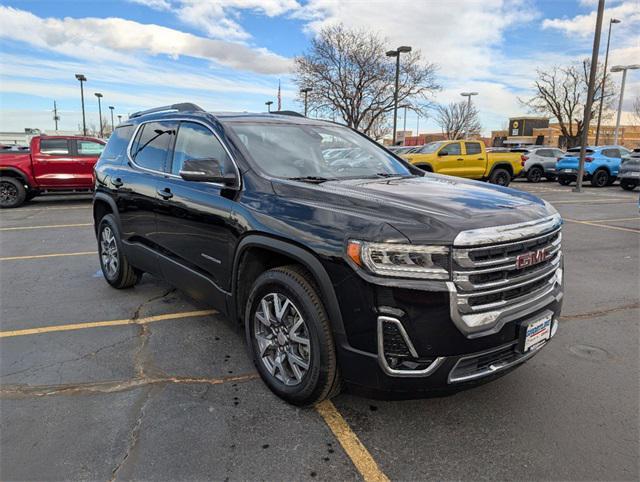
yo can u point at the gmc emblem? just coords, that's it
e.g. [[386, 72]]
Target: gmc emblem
[[531, 258]]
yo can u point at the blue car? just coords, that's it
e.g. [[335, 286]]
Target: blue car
[[601, 165]]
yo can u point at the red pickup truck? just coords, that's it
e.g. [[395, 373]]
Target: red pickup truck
[[52, 164]]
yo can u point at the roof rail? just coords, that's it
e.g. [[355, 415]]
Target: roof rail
[[288, 112], [183, 107]]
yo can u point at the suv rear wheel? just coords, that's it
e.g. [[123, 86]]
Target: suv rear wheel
[[534, 174], [600, 178], [12, 192], [290, 337], [628, 185], [115, 266]]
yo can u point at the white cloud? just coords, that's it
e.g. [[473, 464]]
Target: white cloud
[[584, 25], [218, 18], [117, 39]]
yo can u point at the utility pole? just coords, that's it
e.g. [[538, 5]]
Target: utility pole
[[56, 117], [468, 95], [591, 88], [396, 53], [305, 91], [99, 96], [623, 69], [268, 104], [604, 79], [112, 126], [82, 79]]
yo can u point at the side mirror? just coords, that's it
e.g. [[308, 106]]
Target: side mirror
[[441, 153], [206, 170]]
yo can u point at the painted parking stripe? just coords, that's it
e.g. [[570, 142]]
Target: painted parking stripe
[[637, 218], [100, 324], [350, 442], [53, 255], [606, 226], [60, 208], [50, 226], [596, 201]]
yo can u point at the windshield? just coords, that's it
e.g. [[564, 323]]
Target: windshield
[[315, 151], [431, 147]]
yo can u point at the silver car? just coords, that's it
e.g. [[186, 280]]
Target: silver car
[[539, 162], [629, 173]]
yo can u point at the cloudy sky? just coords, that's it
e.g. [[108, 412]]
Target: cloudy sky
[[230, 54]]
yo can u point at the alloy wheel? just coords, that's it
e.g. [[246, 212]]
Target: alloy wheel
[[8, 193], [109, 252], [282, 337]]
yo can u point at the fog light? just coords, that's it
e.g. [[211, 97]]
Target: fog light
[[554, 327]]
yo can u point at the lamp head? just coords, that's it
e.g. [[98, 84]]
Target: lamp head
[[404, 49], [81, 77]]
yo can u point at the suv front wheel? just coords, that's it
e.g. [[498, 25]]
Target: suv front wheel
[[290, 336], [115, 266]]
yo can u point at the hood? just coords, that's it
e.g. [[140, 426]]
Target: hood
[[431, 208]]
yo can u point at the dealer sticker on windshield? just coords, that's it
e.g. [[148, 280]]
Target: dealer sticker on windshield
[[537, 332]]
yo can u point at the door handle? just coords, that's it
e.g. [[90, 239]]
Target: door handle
[[480, 159], [117, 182], [165, 193], [460, 159]]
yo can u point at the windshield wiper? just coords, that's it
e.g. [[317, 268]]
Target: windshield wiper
[[312, 179]]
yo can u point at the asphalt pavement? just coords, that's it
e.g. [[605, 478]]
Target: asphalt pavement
[[100, 384]]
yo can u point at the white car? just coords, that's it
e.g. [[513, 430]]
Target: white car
[[539, 162]]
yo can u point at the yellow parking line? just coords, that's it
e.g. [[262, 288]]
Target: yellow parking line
[[637, 218], [100, 324], [54, 255], [589, 223], [50, 226], [350, 442]]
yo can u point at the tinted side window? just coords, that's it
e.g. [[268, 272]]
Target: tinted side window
[[611, 152], [89, 148], [544, 153], [118, 142], [473, 148], [195, 141], [54, 146], [152, 145], [451, 149]]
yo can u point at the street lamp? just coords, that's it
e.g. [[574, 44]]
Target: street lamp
[[268, 104], [305, 91], [604, 79], [119, 118], [99, 96], [468, 95], [82, 79], [623, 69], [111, 109], [396, 53]]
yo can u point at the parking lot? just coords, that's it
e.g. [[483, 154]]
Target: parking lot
[[100, 384]]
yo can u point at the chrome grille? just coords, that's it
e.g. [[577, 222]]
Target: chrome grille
[[487, 277], [488, 285]]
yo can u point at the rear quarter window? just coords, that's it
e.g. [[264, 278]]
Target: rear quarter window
[[118, 142], [54, 146]]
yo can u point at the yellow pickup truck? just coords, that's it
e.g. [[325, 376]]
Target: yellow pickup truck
[[468, 159]]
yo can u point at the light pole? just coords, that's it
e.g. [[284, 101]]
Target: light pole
[[82, 79], [418, 126], [604, 79], [623, 69], [119, 118], [268, 104], [590, 90], [468, 95], [99, 96], [305, 91], [112, 126], [396, 53]]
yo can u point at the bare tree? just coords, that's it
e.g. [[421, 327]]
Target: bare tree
[[636, 110], [458, 119], [561, 92], [350, 75]]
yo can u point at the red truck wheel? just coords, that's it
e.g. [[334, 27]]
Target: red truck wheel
[[12, 192]]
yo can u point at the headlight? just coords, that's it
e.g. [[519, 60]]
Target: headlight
[[401, 260]]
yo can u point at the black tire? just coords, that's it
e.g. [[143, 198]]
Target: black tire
[[321, 379], [12, 192], [535, 174], [550, 177], [600, 178], [500, 176], [564, 181], [612, 181], [628, 185], [123, 275], [425, 167]]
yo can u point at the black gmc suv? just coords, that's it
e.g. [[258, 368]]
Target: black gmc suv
[[344, 263]]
